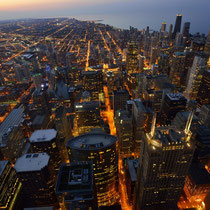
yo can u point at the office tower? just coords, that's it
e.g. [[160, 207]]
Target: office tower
[[163, 64], [141, 86], [141, 63], [177, 26], [46, 141], [197, 186], [93, 83], [163, 27], [154, 54], [101, 150], [203, 96], [51, 77], [131, 167], [12, 141], [139, 116], [87, 116], [132, 58], [179, 122], [22, 73], [204, 115], [62, 124], [170, 31], [207, 45], [186, 30], [10, 187], [119, 99], [2, 81], [41, 122], [33, 171], [194, 78], [166, 159], [177, 68], [124, 129], [76, 187], [37, 79], [173, 103], [178, 40], [41, 102]]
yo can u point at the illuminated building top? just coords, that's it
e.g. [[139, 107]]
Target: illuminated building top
[[92, 141]]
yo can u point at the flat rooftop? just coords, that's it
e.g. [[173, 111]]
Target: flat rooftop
[[176, 96], [32, 162], [43, 135], [132, 168], [75, 177], [92, 141]]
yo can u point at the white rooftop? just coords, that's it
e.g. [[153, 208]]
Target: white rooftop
[[43, 135], [97, 139], [32, 162]]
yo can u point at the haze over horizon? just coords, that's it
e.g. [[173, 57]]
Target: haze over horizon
[[119, 13]]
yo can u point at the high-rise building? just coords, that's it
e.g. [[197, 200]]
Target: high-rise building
[[186, 29], [87, 116], [119, 99], [177, 68], [76, 187], [203, 96], [177, 26], [37, 79], [124, 129], [207, 45], [22, 73], [194, 77], [101, 150], [163, 64], [47, 141], [170, 31], [33, 170], [204, 115], [132, 58], [12, 141], [173, 103], [10, 187], [93, 83], [166, 159], [163, 27]]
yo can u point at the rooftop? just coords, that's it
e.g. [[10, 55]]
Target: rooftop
[[176, 96], [43, 135], [132, 167], [74, 177], [92, 141], [31, 162]]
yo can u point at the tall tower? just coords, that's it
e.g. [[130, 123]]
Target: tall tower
[[194, 77], [177, 26], [163, 27], [166, 160], [186, 29], [170, 31], [132, 58]]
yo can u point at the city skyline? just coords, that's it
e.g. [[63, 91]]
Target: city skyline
[[121, 14]]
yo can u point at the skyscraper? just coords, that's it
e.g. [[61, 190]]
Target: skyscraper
[[177, 26], [166, 160], [163, 27], [101, 150], [132, 58], [75, 185], [203, 96], [186, 29], [10, 186], [170, 31], [194, 77]]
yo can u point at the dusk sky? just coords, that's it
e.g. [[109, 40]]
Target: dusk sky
[[120, 13]]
